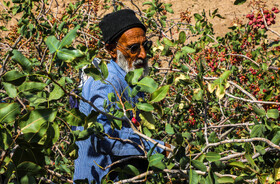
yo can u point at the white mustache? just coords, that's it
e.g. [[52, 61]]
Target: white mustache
[[138, 62]]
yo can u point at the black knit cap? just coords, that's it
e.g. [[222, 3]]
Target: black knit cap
[[116, 23]]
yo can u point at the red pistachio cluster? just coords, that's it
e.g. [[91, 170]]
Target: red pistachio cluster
[[257, 20]]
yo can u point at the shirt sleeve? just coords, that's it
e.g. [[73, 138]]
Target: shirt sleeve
[[117, 147]]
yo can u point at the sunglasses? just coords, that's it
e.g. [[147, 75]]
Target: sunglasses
[[135, 48]]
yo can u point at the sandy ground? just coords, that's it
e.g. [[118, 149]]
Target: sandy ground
[[226, 8]]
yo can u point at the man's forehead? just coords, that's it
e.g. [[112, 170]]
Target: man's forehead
[[133, 35]]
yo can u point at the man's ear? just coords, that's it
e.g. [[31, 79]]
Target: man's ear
[[112, 49]]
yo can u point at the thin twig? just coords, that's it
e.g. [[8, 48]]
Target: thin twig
[[266, 26], [125, 159]]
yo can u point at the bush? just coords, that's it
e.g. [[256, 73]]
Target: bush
[[216, 99]]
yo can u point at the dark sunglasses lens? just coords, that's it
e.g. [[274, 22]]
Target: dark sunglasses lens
[[148, 45], [135, 48]]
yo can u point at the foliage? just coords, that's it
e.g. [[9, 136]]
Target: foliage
[[216, 99]]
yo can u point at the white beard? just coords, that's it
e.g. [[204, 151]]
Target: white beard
[[123, 63]]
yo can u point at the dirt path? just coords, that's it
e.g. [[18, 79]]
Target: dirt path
[[226, 8]]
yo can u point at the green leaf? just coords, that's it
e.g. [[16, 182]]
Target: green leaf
[[56, 133], [193, 177], [28, 179], [68, 39], [32, 86], [260, 112], [168, 9], [258, 131], [85, 134], [132, 77], [145, 107], [240, 165], [52, 44], [36, 119], [225, 179], [239, 2], [8, 112], [22, 60], [156, 161], [276, 138], [147, 120], [251, 161], [197, 16], [272, 113], [169, 129], [104, 69], [199, 165], [39, 136], [147, 84], [187, 50], [13, 75], [57, 92], [94, 73], [29, 168], [182, 37], [168, 42], [147, 3], [160, 93], [75, 117], [225, 75], [10, 89], [69, 55], [5, 138], [130, 169], [212, 156]]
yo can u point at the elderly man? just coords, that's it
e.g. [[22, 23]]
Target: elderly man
[[125, 40]]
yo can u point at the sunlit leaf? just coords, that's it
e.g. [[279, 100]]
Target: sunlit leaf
[[57, 92], [147, 120], [260, 112], [212, 156], [187, 50], [199, 165], [75, 117], [22, 60], [272, 113], [156, 161], [169, 129], [168, 42], [193, 177], [8, 112], [145, 107], [52, 44], [147, 84], [69, 55], [10, 89], [240, 165], [104, 69], [32, 86], [13, 75], [182, 37], [132, 77], [94, 73], [36, 119], [160, 93], [226, 179], [68, 39]]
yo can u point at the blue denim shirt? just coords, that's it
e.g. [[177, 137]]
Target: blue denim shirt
[[93, 150]]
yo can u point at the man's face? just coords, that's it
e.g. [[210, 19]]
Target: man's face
[[128, 56]]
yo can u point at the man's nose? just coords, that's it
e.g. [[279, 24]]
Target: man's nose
[[142, 54]]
